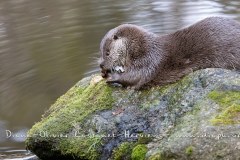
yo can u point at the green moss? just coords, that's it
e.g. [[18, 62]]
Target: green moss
[[70, 111], [230, 115], [225, 97], [81, 147], [156, 156], [123, 151], [230, 107], [189, 150], [65, 100], [139, 152]]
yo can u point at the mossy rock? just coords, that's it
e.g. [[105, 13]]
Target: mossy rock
[[54, 137], [96, 121]]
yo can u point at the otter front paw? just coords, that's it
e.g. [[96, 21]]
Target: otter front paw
[[114, 83], [109, 81], [114, 80]]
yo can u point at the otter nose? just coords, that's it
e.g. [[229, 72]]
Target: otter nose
[[101, 65]]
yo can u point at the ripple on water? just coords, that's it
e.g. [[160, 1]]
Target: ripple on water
[[16, 154]]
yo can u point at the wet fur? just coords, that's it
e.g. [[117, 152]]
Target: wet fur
[[149, 59]]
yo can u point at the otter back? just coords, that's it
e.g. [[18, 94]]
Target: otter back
[[149, 59]]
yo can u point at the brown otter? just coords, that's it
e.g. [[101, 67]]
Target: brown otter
[[132, 56]]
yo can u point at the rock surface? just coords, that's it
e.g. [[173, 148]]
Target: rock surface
[[195, 118]]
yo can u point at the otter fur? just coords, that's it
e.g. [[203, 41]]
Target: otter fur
[[134, 57]]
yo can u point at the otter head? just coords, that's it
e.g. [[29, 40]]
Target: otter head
[[120, 47]]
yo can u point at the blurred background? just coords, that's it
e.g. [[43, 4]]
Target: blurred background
[[47, 46]]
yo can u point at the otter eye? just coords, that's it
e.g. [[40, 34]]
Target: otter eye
[[115, 37]]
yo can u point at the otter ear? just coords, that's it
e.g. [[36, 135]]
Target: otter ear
[[115, 37]]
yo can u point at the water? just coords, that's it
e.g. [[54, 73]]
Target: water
[[47, 46]]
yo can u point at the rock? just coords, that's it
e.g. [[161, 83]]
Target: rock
[[195, 118]]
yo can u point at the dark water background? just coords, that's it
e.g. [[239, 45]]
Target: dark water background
[[47, 46]]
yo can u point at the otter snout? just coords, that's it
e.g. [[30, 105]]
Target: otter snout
[[101, 65], [105, 72]]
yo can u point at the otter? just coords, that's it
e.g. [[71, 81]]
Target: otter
[[134, 57]]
